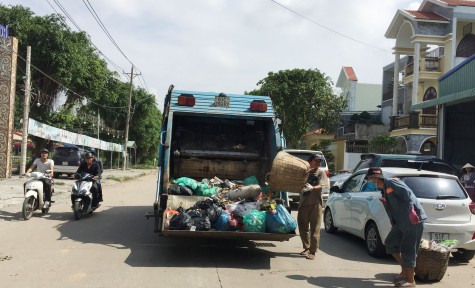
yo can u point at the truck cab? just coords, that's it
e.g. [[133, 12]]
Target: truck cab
[[206, 135]]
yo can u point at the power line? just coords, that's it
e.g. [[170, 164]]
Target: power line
[[327, 28]]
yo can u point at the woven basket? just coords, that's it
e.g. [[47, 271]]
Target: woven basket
[[431, 265], [289, 173]]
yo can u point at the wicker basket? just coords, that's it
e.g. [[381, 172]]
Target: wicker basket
[[289, 173], [431, 265]]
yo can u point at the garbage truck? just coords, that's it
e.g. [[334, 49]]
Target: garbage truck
[[211, 135]]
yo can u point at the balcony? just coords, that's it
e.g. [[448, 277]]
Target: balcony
[[428, 64], [413, 120]]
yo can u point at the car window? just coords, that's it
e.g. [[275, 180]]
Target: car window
[[364, 163], [353, 184], [67, 153], [435, 188], [305, 156], [424, 165]]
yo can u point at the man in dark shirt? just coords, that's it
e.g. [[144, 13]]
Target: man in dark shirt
[[91, 167]]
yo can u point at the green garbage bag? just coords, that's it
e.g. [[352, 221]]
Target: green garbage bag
[[188, 182], [255, 221]]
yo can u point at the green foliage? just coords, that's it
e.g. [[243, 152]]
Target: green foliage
[[70, 58], [383, 145], [364, 118], [301, 98]]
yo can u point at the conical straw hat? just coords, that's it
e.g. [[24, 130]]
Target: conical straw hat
[[468, 165]]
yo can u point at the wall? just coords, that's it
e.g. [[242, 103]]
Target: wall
[[368, 96], [8, 58]]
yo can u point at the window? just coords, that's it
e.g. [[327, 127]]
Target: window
[[353, 184], [435, 188]]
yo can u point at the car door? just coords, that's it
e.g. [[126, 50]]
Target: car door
[[342, 203], [361, 203]]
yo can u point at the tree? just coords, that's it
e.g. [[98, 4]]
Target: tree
[[383, 145], [301, 98], [71, 82]]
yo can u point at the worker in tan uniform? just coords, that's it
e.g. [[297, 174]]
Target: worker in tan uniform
[[309, 216]]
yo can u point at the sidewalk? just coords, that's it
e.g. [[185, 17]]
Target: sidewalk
[[11, 189]]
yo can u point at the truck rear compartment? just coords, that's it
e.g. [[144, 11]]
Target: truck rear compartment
[[206, 146]]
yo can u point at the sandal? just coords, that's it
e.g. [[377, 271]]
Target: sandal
[[310, 256], [404, 283], [304, 252]]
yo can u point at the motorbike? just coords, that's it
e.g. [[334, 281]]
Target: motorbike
[[81, 196], [34, 195]]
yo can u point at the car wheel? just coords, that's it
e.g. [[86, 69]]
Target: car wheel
[[374, 245], [463, 255], [56, 175], [328, 222]]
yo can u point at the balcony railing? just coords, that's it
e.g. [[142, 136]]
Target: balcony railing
[[430, 64], [414, 120]]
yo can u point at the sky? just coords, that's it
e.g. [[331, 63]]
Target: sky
[[229, 45]]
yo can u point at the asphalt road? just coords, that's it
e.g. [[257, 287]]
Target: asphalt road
[[116, 247]]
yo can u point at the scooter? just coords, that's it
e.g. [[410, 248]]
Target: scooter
[[34, 195], [81, 196]]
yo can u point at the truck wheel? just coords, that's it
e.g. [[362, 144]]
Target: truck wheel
[[374, 245], [463, 255]]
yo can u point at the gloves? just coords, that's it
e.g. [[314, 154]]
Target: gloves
[[413, 217], [307, 188]]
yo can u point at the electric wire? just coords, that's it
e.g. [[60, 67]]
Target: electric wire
[[327, 28]]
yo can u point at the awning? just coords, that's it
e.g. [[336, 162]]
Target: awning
[[454, 98]]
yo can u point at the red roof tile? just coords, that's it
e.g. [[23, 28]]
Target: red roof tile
[[426, 15], [350, 74], [459, 2]]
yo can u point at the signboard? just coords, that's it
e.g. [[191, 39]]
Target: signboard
[[221, 101], [3, 31]]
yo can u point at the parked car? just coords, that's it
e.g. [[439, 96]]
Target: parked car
[[304, 155], [368, 160], [449, 210], [66, 160]]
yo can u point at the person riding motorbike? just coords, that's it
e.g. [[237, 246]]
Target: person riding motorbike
[[91, 167], [98, 182], [43, 164]]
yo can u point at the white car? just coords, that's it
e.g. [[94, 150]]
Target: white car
[[304, 155], [450, 212]]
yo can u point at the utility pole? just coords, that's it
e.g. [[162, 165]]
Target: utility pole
[[98, 129], [26, 112], [124, 155]]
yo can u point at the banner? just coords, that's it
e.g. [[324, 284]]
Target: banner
[[59, 135]]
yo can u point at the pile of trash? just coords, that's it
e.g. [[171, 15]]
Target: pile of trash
[[443, 246], [227, 206]]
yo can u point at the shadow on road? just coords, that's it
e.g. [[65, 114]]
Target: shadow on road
[[127, 228]]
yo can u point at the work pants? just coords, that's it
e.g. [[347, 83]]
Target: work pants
[[309, 219]]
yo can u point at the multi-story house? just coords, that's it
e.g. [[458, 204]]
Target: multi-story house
[[429, 42]]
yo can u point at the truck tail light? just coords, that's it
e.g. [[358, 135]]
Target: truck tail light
[[258, 106], [186, 100], [471, 206]]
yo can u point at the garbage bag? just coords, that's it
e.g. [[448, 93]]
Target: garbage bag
[[223, 222], [250, 180], [244, 207], [181, 221], [179, 189], [245, 192], [280, 221], [255, 221], [200, 223], [203, 189], [188, 182]]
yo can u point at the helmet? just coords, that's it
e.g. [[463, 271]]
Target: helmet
[[92, 150], [44, 150], [316, 156], [88, 155]]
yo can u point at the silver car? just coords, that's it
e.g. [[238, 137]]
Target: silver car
[[450, 212]]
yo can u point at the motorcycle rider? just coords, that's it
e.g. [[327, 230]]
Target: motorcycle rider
[[91, 167], [98, 182], [42, 164]]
